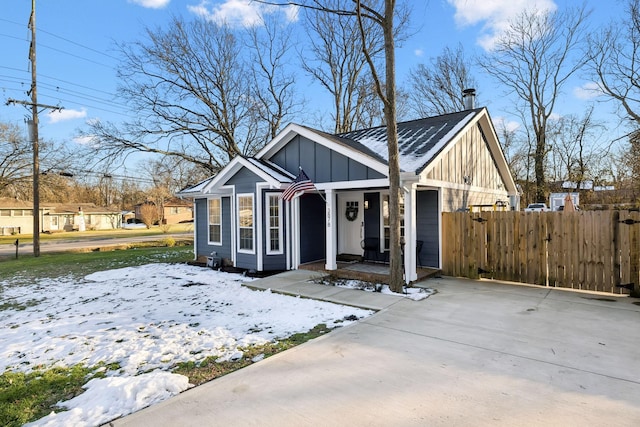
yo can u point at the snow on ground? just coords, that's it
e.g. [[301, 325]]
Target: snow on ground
[[415, 294], [146, 319]]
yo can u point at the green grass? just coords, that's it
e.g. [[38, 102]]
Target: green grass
[[28, 397], [208, 369], [78, 264]]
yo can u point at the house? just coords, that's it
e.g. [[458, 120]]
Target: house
[[447, 163], [80, 217], [176, 210], [16, 217]]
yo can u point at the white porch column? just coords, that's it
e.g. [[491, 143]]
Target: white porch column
[[410, 233], [330, 226]]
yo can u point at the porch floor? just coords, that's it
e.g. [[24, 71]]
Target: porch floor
[[366, 271]]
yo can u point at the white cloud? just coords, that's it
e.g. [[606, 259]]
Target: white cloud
[[502, 123], [241, 13], [85, 140], [587, 91], [419, 53], [495, 15], [64, 115], [151, 4], [555, 116], [291, 12]]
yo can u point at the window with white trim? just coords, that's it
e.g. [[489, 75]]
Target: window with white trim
[[274, 225], [245, 222], [385, 220], [215, 221]]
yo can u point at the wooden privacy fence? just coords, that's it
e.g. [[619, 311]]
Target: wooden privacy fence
[[591, 250]]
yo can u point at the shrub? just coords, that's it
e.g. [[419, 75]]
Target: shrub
[[168, 242]]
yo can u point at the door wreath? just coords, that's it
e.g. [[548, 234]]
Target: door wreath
[[351, 213]]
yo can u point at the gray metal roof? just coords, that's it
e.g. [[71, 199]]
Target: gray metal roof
[[419, 141]]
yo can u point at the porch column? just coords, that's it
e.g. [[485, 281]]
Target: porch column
[[330, 226], [410, 233]]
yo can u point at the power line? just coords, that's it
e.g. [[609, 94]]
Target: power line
[[62, 80], [64, 39]]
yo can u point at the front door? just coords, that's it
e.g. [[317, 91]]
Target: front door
[[350, 223]]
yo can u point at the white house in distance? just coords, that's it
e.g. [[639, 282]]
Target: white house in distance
[[16, 217], [447, 163]]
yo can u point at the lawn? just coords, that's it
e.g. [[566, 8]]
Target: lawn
[[95, 336]]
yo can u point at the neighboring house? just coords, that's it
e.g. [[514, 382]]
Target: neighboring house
[[79, 216], [176, 210], [447, 163], [16, 217]]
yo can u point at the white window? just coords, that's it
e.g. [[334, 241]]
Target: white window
[[215, 221], [245, 223], [274, 225], [385, 219]]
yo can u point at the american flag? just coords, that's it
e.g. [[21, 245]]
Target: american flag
[[300, 185]]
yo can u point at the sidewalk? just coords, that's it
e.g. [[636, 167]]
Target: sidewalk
[[297, 283], [477, 353]]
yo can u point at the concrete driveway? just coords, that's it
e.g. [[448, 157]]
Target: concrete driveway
[[476, 353]]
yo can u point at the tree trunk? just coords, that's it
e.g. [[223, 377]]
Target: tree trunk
[[396, 281]]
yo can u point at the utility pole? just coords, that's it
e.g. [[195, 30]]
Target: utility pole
[[33, 130]]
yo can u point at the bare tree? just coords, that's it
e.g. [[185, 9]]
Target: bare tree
[[532, 60], [190, 88], [437, 88], [272, 86], [574, 150], [336, 60], [613, 62], [149, 213], [16, 166], [15, 160]]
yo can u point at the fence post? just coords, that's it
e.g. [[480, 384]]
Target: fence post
[[615, 220], [17, 243]]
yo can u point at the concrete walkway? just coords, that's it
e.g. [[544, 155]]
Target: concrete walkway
[[477, 353], [297, 283]]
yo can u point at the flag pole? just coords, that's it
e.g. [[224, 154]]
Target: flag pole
[[319, 193]]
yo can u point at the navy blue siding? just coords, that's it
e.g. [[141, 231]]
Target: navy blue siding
[[312, 228], [202, 228], [428, 224], [244, 181], [279, 261], [320, 163]]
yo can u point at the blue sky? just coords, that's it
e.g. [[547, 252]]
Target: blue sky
[[76, 58]]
